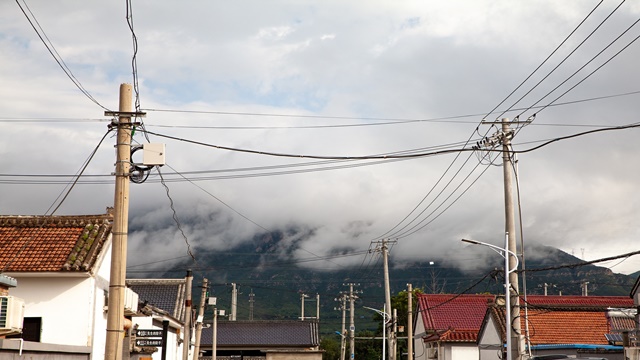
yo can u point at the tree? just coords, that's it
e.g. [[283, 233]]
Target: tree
[[331, 347], [400, 302]]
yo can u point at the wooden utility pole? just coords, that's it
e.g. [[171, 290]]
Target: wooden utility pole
[[409, 322], [115, 314], [203, 296], [187, 317]]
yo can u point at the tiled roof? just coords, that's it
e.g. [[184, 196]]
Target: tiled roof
[[569, 319], [452, 317], [52, 243], [165, 294], [567, 327], [586, 302], [622, 322], [283, 334]]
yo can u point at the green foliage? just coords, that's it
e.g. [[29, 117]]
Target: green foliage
[[367, 349], [331, 347]]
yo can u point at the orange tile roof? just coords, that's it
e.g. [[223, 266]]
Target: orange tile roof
[[567, 327], [52, 243]]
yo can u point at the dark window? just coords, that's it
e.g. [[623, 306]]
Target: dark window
[[31, 327]]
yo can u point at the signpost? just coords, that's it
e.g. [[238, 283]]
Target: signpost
[[149, 337], [148, 333], [149, 342]]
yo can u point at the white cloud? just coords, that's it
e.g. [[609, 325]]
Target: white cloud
[[408, 60]]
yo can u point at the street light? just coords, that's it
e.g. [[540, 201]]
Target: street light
[[385, 316], [507, 297]]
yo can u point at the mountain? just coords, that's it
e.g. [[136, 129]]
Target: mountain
[[277, 280]]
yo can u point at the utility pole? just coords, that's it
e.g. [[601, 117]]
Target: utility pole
[[187, 317], [251, 301], [343, 329], [317, 307], [391, 338], [585, 289], [203, 296], [214, 342], [395, 333], [234, 302], [409, 322], [302, 297], [352, 326], [510, 229], [115, 315], [504, 137]]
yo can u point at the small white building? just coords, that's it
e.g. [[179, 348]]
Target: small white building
[[62, 266], [163, 301]]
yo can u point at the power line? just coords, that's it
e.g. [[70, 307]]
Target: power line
[[541, 64], [54, 53], [72, 185], [381, 121], [585, 65], [53, 182]]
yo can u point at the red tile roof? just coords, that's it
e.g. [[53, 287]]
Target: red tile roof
[[600, 302], [452, 317], [52, 243]]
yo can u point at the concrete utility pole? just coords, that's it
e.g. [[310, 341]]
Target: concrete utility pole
[[409, 322], [251, 301], [343, 329], [504, 137], [391, 338], [115, 314], [214, 342], [302, 297], [203, 296], [234, 302], [510, 229], [187, 317], [352, 326], [317, 307], [585, 289]]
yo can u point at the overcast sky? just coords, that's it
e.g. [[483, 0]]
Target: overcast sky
[[335, 79]]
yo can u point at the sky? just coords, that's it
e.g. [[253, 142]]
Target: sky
[[336, 80]]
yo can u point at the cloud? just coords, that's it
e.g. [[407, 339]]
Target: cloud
[[354, 65]]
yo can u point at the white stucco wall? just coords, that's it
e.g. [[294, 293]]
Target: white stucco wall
[[419, 350], [490, 343], [464, 352], [66, 306], [70, 305]]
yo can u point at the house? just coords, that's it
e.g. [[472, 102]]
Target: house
[[62, 266], [263, 340], [572, 325], [448, 324], [162, 303]]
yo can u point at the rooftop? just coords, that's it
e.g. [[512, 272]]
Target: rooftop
[[52, 243]]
